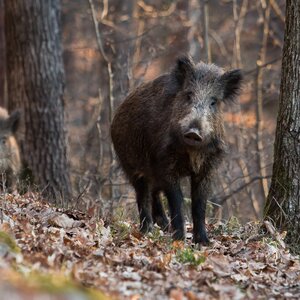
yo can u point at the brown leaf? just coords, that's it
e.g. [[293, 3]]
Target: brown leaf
[[64, 221], [220, 265], [176, 294]]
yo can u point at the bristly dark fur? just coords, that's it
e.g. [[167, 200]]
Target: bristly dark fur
[[151, 135], [232, 80], [9, 151], [184, 70]]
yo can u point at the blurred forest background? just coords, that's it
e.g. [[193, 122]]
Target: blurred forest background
[[111, 46]]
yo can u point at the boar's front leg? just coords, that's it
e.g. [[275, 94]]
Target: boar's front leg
[[144, 204], [158, 212], [175, 200], [200, 188]]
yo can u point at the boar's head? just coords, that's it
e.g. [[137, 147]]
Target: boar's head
[[199, 92]]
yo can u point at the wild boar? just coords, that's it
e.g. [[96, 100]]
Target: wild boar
[[9, 151], [170, 128]]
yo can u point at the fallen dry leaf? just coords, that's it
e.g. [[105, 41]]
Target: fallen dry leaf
[[124, 264]]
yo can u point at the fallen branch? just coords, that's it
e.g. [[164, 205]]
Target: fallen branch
[[275, 234]]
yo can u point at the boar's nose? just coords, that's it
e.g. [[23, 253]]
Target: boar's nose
[[193, 137]]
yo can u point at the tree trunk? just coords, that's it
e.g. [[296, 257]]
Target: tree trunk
[[35, 77], [121, 69], [122, 48], [283, 203], [2, 56]]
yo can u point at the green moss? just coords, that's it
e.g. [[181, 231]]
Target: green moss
[[190, 256], [9, 241], [53, 284], [120, 230], [233, 225], [157, 236]]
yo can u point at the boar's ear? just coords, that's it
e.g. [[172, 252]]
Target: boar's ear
[[231, 84], [14, 120], [184, 70]]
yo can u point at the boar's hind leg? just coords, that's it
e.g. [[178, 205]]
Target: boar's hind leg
[[175, 200], [200, 191], [144, 205], [7, 181], [158, 212]]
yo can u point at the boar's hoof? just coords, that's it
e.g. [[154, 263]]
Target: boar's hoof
[[146, 227], [178, 235], [163, 223], [201, 239]]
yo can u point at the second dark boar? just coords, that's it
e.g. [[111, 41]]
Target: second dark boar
[[171, 128], [9, 151]]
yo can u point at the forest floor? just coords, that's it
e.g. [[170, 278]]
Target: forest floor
[[50, 253]]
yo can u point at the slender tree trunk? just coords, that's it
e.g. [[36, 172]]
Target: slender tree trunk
[[121, 69], [195, 18], [123, 48], [283, 203], [2, 56], [205, 25], [116, 49], [239, 17], [35, 77], [259, 99]]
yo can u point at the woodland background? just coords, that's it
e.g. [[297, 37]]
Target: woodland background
[[109, 46], [112, 46]]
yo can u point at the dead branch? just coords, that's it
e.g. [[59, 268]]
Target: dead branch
[[150, 10], [249, 72], [219, 42], [104, 9], [277, 10], [275, 234], [221, 200]]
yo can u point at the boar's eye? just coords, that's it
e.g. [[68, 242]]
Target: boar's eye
[[3, 140], [213, 101], [189, 95]]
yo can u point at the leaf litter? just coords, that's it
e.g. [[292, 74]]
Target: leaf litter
[[45, 249]]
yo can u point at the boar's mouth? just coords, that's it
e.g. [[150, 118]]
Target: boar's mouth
[[208, 144], [192, 137]]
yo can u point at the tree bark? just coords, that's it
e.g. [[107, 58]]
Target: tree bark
[[2, 56], [35, 77], [283, 203]]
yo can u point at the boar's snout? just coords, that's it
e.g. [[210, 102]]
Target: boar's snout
[[193, 137]]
